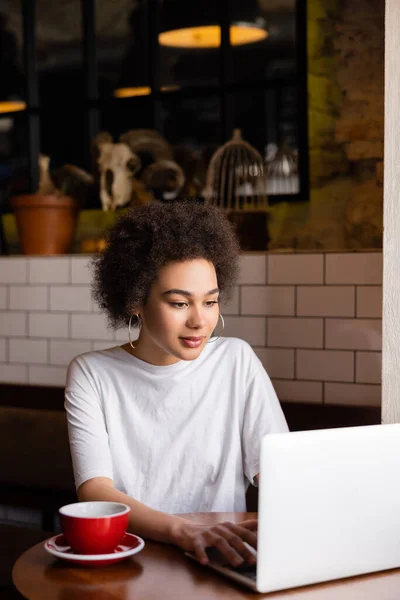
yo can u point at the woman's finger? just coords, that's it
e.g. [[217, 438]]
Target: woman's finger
[[251, 524], [244, 533], [235, 540], [227, 550], [200, 551]]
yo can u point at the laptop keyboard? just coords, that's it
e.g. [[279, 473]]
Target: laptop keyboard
[[245, 569]]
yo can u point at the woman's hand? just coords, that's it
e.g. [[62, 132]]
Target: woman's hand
[[227, 537]]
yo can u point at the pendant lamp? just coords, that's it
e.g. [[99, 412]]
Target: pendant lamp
[[134, 79], [11, 82], [195, 24]]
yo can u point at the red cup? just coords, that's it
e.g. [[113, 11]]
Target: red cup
[[94, 527]]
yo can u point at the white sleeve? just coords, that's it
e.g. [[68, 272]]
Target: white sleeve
[[262, 415], [88, 438]]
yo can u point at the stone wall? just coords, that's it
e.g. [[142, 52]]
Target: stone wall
[[346, 108]]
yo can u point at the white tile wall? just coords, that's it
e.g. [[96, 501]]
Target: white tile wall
[[267, 300], [253, 269], [13, 373], [369, 301], [325, 365], [353, 334], [295, 268], [324, 301], [80, 272], [251, 329], [92, 327], [28, 351], [13, 270], [368, 367], [41, 270], [3, 297], [354, 268], [313, 319], [62, 352], [352, 394], [70, 298], [299, 391], [28, 297], [46, 375], [50, 325], [278, 362], [295, 333], [13, 323]]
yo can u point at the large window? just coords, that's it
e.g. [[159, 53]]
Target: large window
[[193, 71]]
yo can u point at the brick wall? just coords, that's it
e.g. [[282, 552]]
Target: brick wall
[[314, 320]]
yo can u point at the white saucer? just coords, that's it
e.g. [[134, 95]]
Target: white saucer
[[57, 546]]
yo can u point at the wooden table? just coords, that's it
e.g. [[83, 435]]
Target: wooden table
[[162, 572]]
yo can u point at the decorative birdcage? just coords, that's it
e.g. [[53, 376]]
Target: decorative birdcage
[[236, 182], [236, 177]]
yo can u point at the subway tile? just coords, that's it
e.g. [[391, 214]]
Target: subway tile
[[28, 297], [325, 365], [70, 298], [13, 373], [352, 394], [47, 375], [354, 268], [277, 362], [13, 323], [28, 351], [324, 301], [95, 307], [368, 367], [295, 269], [3, 297], [250, 329], [80, 270], [3, 350], [253, 269], [90, 327], [49, 270], [353, 334], [48, 325], [63, 351], [369, 301], [307, 392], [295, 333], [231, 307], [13, 270], [267, 300], [104, 345], [121, 335]]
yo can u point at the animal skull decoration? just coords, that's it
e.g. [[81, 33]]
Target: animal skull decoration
[[117, 166]]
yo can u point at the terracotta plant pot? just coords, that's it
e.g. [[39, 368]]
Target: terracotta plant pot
[[45, 224]]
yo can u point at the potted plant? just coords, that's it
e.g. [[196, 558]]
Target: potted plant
[[46, 220]]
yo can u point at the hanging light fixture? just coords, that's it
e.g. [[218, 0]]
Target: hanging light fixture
[[134, 79], [11, 83], [195, 25]]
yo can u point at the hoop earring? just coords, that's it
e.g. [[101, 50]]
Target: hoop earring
[[222, 331], [129, 330]]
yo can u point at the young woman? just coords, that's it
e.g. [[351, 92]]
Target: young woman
[[171, 422]]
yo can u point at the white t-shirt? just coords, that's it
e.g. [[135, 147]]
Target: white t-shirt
[[179, 438]]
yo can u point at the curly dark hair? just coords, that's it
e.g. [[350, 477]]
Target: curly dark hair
[[149, 237]]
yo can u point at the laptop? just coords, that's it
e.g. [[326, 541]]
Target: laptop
[[329, 507]]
